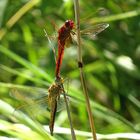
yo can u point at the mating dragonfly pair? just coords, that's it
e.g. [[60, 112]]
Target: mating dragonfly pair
[[52, 99]]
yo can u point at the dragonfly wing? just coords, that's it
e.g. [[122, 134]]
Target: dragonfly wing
[[30, 102], [28, 93], [96, 29], [61, 105]]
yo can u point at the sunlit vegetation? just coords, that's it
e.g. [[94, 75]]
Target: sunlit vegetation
[[111, 68]]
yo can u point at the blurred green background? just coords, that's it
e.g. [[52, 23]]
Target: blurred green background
[[111, 66]]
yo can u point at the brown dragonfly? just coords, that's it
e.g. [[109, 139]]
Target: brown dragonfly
[[34, 99]]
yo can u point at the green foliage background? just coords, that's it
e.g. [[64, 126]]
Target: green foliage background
[[111, 66]]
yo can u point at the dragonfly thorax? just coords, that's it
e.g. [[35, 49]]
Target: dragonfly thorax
[[64, 31], [54, 90]]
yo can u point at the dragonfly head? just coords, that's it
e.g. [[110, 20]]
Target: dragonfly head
[[59, 80], [69, 24]]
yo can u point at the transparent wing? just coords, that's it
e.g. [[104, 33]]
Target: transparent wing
[[96, 29], [34, 100], [28, 93], [61, 103]]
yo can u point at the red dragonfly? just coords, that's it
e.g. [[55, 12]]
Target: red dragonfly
[[64, 37], [65, 34]]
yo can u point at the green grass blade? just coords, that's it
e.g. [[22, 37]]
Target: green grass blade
[[37, 71]]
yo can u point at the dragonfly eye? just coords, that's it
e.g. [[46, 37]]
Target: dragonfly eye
[[69, 24]]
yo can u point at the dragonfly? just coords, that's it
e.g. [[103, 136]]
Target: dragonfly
[[40, 99], [65, 35], [55, 90]]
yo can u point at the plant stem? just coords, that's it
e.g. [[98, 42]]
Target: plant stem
[[80, 63], [69, 115]]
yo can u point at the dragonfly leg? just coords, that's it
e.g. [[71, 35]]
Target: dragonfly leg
[[73, 33]]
